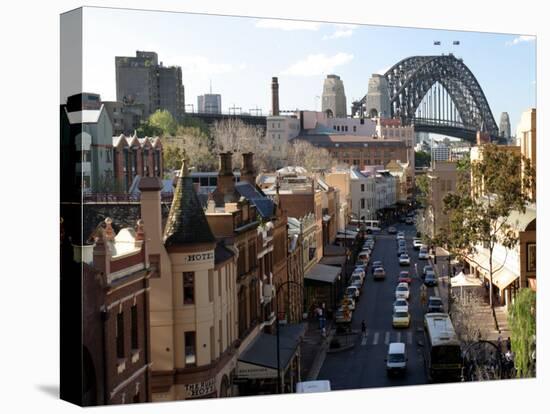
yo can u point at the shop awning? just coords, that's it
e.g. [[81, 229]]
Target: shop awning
[[333, 260], [332, 250], [259, 359], [502, 278], [322, 273], [462, 280]]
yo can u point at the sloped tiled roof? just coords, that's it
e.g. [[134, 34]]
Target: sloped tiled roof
[[222, 253], [264, 205], [186, 222]]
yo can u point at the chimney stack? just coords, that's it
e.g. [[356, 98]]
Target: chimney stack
[[274, 96], [226, 183], [248, 173]]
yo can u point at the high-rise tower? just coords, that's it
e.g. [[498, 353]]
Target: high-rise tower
[[504, 126]]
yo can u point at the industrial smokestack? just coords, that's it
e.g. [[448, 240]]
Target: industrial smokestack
[[274, 96]]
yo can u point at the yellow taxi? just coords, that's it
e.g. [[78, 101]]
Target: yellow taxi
[[401, 318]]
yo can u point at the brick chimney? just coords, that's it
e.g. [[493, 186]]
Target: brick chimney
[[226, 180], [151, 223], [274, 96], [248, 173]]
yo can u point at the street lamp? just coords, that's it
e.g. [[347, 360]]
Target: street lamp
[[279, 388]]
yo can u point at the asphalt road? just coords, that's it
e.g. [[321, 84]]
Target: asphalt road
[[364, 365]]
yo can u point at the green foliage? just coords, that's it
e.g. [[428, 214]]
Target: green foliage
[[488, 190], [422, 159], [423, 187], [163, 120], [193, 122], [145, 129], [197, 146], [522, 321]]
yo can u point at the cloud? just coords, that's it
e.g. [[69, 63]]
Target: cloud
[[287, 25], [200, 65], [339, 34], [318, 64], [343, 30], [520, 39]]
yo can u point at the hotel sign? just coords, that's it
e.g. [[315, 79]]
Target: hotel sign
[[199, 257], [200, 389]]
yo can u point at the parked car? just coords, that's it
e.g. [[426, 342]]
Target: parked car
[[404, 277], [430, 279], [353, 292], [409, 220], [359, 265], [435, 304], [400, 303], [363, 255], [379, 273], [423, 253], [417, 243], [356, 280], [401, 250], [392, 230], [402, 291], [427, 268], [400, 235], [401, 318], [359, 271], [404, 260], [396, 360], [401, 242]]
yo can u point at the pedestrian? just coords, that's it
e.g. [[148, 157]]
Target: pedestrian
[[508, 344], [363, 328], [499, 343]]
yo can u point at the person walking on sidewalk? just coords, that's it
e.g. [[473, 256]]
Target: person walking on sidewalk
[[363, 328]]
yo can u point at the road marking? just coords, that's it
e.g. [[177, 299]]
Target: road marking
[[387, 338], [364, 339], [398, 337], [436, 291], [375, 341], [409, 337]]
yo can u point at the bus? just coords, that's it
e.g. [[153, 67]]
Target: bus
[[369, 225], [442, 353]]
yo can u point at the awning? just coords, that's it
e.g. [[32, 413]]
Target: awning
[[462, 280], [333, 260], [332, 250], [259, 359], [322, 273], [502, 278]]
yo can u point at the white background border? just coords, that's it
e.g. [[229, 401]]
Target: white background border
[[29, 345]]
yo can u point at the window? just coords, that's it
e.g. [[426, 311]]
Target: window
[[204, 181], [354, 128], [219, 282], [210, 285], [188, 288], [346, 127], [220, 342], [109, 155], [362, 187], [212, 347], [190, 348], [120, 335], [135, 341], [362, 203], [338, 128]]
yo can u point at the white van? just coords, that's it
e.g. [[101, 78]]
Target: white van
[[313, 386], [396, 361]]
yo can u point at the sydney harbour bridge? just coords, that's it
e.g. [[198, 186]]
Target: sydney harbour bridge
[[437, 94]]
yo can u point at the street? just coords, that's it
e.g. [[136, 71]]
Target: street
[[364, 365]]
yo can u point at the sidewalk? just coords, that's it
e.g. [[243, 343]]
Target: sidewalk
[[313, 349], [441, 272]]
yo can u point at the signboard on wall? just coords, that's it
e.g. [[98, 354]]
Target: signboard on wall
[[199, 257], [251, 371], [200, 389]]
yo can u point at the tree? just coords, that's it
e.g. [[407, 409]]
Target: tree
[[236, 136], [302, 153], [488, 191], [522, 322], [197, 147], [160, 123], [422, 159]]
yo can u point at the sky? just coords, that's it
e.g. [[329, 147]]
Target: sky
[[238, 56]]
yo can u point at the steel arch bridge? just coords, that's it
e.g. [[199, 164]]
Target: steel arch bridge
[[437, 94]]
